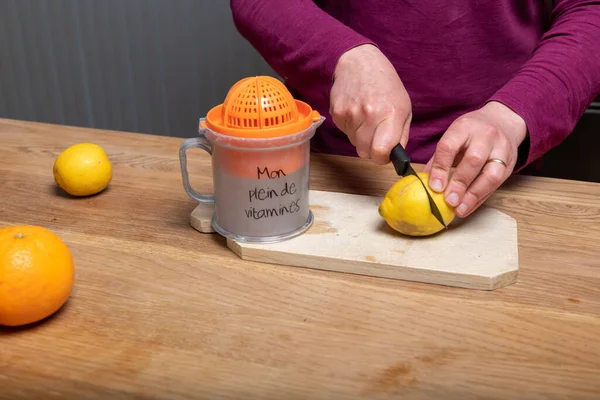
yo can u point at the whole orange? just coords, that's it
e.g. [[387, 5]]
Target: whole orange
[[37, 273]]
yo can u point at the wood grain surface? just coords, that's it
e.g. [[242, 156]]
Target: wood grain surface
[[349, 236], [162, 311]]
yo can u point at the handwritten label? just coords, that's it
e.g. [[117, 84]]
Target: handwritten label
[[269, 174], [284, 194]]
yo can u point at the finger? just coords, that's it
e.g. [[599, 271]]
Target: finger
[[491, 177], [373, 116], [353, 135], [405, 131], [386, 136], [348, 119], [447, 149], [427, 167], [473, 161], [364, 139], [477, 205]]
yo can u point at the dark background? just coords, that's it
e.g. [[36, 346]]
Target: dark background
[[156, 66]]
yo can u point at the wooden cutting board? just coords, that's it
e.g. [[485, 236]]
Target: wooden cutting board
[[348, 235]]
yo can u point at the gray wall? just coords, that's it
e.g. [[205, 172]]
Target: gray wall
[[156, 66], [152, 66]]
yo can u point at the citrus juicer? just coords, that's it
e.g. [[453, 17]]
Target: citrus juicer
[[259, 142]]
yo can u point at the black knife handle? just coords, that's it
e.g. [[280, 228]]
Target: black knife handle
[[399, 157]]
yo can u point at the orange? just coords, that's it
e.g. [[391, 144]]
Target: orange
[[36, 274]]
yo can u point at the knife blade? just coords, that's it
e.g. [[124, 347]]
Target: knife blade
[[401, 161]]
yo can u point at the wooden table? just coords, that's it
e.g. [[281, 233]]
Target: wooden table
[[160, 310]]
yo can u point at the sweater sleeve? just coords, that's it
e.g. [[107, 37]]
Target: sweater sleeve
[[560, 80], [300, 41]]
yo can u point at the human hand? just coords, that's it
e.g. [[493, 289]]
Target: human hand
[[370, 104], [470, 143]]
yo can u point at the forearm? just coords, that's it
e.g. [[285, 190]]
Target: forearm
[[301, 42], [561, 78]]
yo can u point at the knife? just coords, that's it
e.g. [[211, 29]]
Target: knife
[[401, 161]]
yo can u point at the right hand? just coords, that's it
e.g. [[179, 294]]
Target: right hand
[[370, 104]]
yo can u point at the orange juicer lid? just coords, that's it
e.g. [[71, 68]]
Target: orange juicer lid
[[260, 107]]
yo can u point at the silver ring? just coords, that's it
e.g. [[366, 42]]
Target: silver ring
[[499, 161]]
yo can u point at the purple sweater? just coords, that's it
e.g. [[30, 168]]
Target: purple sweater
[[451, 58]]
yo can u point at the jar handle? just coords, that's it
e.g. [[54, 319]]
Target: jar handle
[[203, 143]]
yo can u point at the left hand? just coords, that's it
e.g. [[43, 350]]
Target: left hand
[[492, 132]]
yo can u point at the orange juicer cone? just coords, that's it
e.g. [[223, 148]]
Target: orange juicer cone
[[261, 107]]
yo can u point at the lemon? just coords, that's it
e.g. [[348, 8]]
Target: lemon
[[406, 209], [83, 169]]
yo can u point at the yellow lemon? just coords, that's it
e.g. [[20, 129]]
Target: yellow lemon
[[405, 207], [83, 169]]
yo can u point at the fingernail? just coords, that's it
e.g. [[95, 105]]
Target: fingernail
[[453, 199], [462, 208], [436, 185]]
